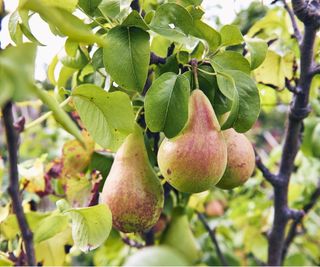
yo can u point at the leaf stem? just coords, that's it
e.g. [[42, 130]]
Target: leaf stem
[[194, 65], [45, 116]]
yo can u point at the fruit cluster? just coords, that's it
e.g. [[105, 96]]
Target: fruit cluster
[[199, 158]]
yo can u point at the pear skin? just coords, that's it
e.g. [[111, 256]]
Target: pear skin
[[195, 160], [179, 236], [241, 160], [132, 189]]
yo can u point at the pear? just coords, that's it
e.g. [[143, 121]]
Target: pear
[[132, 189], [179, 236], [241, 160], [157, 256], [196, 159]]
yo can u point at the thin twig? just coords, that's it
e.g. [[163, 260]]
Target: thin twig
[[293, 231], [45, 116], [212, 234], [315, 70], [13, 190], [296, 31], [132, 243], [270, 177]]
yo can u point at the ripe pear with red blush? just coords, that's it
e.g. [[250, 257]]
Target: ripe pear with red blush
[[132, 189], [195, 160], [241, 160]]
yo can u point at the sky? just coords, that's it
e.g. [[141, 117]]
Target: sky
[[53, 44]]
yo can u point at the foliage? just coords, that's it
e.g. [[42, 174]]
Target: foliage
[[105, 81]]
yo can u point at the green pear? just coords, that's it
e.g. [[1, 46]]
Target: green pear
[[157, 256], [195, 160], [180, 236], [132, 189], [241, 160]]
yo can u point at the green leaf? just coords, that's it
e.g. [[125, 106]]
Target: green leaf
[[172, 21], [159, 45], [225, 82], [249, 101], [64, 75], [198, 51], [113, 113], [13, 60], [78, 61], [171, 65], [90, 226], [231, 60], [166, 104], [50, 226], [59, 114], [203, 31], [233, 114], [6, 89], [207, 83], [67, 23], [109, 8], [10, 228], [183, 57], [26, 31], [135, 20], [97, 59], [51, 68], [309, 125], [126, 57], [258, 52], [89, 6], [14, 28], [196, 12], [69, 5], [230, 35]]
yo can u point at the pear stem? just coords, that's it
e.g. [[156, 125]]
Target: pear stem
[[194, 65]]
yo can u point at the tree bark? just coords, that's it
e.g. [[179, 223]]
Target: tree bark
[[13, 190]]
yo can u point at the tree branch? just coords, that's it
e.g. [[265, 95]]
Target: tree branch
[[308, 12], [299, 109], [154, 59], [296, 31], [315, 70], [214, 240], [13, 190], [293, 231], [135, 5], [270, 177]]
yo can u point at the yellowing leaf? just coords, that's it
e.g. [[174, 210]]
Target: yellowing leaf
[[75, 157], [33, 172], [78, 190], [51, 252], [271, 71]]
